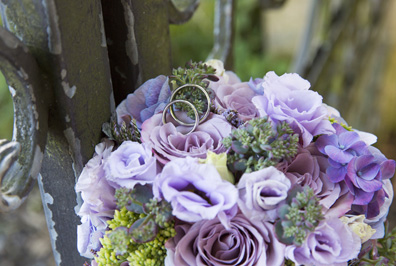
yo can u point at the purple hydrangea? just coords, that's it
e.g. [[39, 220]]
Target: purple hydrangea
[[170, 142], [261, 192], [132, 163], [196, 191], [148, 99], [288, 98], [332, 243], [244, 243]]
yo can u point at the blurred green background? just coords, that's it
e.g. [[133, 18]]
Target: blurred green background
[[23, 235]]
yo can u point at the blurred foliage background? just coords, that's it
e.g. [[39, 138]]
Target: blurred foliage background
[[263, 42]]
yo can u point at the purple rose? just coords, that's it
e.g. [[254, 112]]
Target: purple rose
[[331, 243], [148, 99], [169, 142], [261, 192], [308, 168], [288, 98], [237, 96], [99, 202], [196, 191], [243, 243], [132, 163]]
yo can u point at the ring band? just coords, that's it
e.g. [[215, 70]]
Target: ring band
[[195, 124]]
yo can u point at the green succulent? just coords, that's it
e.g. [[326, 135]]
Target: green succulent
[[257, 145]]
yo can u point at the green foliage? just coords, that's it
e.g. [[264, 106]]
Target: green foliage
[[6, 110], [299, 216], [119, 246], [120, 133], [256, 145]]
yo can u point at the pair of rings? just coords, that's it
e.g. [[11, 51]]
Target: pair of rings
[[197, 119]]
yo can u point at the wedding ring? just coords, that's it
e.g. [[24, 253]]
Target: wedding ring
[[169, 106], [172, 111]]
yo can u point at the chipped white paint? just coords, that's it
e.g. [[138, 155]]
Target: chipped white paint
[[130, 44], [69, 91], [48, 199], [54, 38], [102, 30], [12, 91], [37, 160], [67, 118], [63, 73]]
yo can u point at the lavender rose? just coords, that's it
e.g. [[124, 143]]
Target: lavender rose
[[99, 202], [288, 98], [148, 99], [332, 243], [308, 168], [195, 191], [132, 163], [261, 192], [243, 243], [237, 96], [169, 142]]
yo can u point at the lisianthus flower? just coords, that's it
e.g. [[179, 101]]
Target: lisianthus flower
[[132, 163], [196, 191], [99, 202], [308, 168], [220, 162], [288, 98], [148, 99], [170, 142], [261, 192], [332, 243], [244, 243]]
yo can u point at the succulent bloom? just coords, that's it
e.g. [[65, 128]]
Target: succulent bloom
[[244, 243], [132, 163], [288, 98], [261, 192], [195, 191], [169, 142], [331, 243], [148, 99]]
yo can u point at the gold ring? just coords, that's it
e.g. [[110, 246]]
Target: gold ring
[[172, 111], [195, 124]]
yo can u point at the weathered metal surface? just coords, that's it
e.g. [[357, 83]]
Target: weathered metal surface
[[20, 160], [138, 42], [223, 32], [181, 11], [67, 38]]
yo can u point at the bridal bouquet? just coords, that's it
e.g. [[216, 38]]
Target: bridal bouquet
[[199, 168]]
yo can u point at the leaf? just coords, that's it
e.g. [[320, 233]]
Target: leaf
[[144, 230]]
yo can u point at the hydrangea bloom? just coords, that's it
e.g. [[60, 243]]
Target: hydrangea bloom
[[245, 243], [288, 98], [195, 191], [148, 99]]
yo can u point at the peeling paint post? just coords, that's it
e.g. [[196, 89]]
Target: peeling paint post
[[61, 61]]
